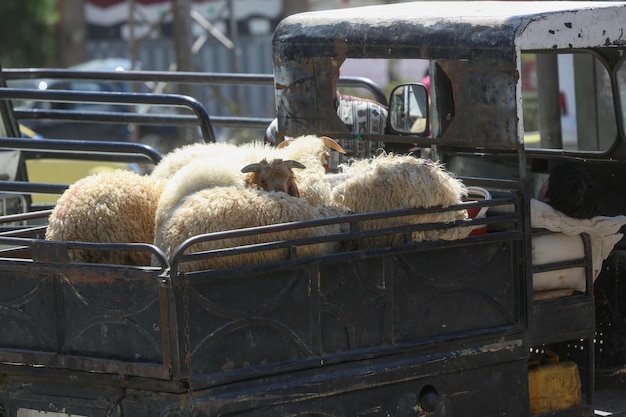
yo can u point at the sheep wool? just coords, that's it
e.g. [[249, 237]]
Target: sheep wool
[[180, 157], [197, 175], [310, 150], [313, 152], [231, 208], [389, 182], [107, 207]]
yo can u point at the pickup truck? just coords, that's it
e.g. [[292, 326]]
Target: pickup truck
[[432, 328]]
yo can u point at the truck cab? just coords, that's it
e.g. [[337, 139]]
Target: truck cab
[[516, 90]]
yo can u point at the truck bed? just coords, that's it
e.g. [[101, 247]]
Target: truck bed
[[334, 318]]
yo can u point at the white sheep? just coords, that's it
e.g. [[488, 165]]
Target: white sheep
[[202, 173], [107, 207], [389, 182], [122, 206], [230, 208], [180, 157], [274, 175], [311, 151]]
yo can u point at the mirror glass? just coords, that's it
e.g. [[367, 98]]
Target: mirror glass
[[408, 109]]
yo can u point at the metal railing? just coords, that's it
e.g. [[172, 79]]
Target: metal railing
[[167, 77]]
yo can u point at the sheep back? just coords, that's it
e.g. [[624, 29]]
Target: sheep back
[[180, 157], [230, 208], [389, 182], [107, 207]]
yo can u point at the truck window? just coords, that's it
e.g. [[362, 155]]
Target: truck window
[[567, 102]]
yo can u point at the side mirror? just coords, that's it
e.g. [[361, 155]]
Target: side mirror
[[408, 109]]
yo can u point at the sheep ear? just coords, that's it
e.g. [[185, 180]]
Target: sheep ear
[[330, 143], [292, 189], [251, 168], [294, 164]]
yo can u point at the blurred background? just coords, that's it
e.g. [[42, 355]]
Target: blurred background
[[188, 35], [216, 36]]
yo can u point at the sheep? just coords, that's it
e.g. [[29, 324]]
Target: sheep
[[179, 157], [276, 175], [310, 150], [108, 207], [390, 181], [229, 208], [122, 206], [197, 175]]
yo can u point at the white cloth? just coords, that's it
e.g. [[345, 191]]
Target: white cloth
[[602, 230]]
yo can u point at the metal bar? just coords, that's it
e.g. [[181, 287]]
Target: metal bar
[[210, 78], [9, 218], [24, 187], [116, 98], [139, 118], [358, 217], [139, 76], [81, 148]]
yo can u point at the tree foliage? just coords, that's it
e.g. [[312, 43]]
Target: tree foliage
[[27, 32]]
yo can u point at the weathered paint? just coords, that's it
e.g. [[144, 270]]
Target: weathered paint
[[478, 46]]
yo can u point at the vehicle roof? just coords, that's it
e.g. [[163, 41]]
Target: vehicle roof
[[458, 24]]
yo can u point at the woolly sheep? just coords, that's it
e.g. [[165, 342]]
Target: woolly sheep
[[230, 208], [388, 182], [276, 175], [311, 151], [108, 207], [198, 175], [180, 157]]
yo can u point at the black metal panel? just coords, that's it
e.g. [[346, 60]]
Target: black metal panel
[[457, 290], [418, 383], [300, 38], [27, 310], [100, 314], [78, 317], [567, 319], [344, 308]]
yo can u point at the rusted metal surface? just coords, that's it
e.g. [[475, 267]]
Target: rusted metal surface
[[477, 45]]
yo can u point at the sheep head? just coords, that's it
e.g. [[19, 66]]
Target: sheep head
[[276, 175], [328, 143]]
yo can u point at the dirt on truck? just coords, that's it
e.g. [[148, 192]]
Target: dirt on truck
[[493, 304]]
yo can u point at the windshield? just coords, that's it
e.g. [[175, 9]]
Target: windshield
[[568, 102]]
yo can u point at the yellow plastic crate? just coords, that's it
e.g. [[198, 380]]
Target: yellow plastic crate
[[554, 386]]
